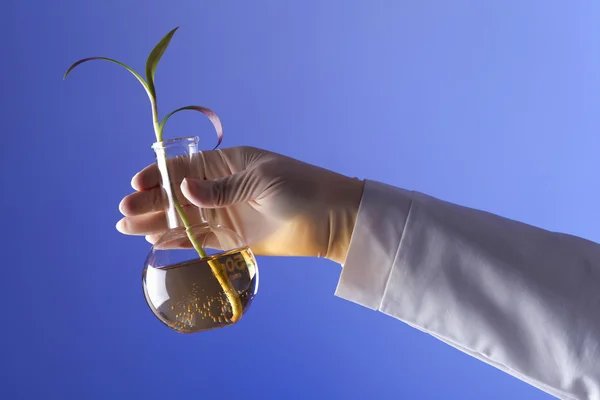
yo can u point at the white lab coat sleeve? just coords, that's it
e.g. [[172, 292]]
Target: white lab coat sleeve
[[520, 298]]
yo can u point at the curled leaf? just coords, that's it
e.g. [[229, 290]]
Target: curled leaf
[[154, 58], [138, 76], [209, 113]]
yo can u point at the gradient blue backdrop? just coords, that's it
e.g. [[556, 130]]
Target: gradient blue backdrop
[[493, 105]]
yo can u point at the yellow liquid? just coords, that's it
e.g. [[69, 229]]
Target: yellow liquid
[[188, 298]]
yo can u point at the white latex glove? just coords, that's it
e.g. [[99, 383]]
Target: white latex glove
[[279, 205]]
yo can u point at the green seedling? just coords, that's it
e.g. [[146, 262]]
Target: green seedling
[[159, 125]]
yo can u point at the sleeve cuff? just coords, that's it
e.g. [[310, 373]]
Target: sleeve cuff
[[374, 244]]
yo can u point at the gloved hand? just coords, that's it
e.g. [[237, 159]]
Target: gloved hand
[[279, 205]]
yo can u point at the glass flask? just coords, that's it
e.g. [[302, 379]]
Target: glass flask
[[199, 275]]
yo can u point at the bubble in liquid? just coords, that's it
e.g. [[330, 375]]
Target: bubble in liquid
[[196, 299]]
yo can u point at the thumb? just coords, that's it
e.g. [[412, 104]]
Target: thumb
[[223, 192]]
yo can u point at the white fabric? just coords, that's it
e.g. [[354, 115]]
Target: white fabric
[[520, 298]]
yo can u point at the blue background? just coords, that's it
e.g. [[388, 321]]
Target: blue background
[[492, 105]]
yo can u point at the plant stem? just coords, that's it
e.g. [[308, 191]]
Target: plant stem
[[214, 264], [216, 267]]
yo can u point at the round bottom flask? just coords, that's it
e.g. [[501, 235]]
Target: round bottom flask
[[198, 276]]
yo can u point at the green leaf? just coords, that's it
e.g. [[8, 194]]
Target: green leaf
[[209, 113], [139, 78], [154, 58]]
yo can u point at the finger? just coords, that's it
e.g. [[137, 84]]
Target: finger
[[139, 203], [154, 223], [211, 164], [206, 241], [147, 224], [153, 239], [179, 167], [179, 243], [223, 192], [147, 178]]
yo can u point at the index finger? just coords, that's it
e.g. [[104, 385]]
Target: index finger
[[208, 164], [146, 179], [149, 177], [179, 167]]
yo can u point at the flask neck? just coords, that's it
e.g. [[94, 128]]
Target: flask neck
[[169, 155]]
